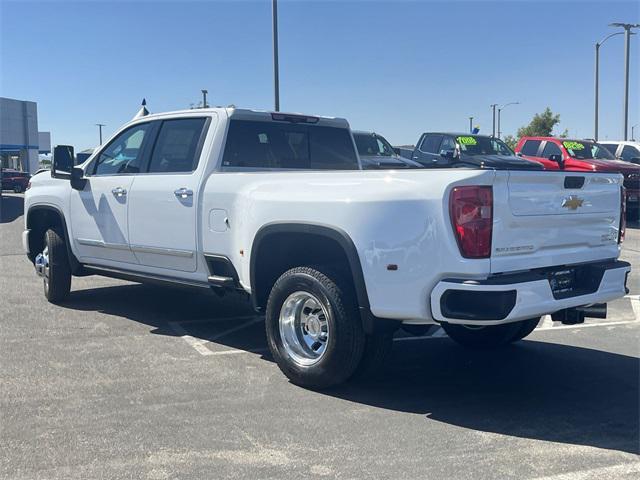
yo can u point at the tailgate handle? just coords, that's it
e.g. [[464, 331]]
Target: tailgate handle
[[573, 182]]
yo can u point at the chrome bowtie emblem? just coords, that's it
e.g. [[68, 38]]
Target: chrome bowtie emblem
[[572, 202]]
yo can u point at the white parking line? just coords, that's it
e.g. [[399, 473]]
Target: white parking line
[[200, 344], [197, 344], [587, 325]]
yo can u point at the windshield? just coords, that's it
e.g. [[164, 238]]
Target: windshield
[[586, 150], [483, 146], [370, 144]]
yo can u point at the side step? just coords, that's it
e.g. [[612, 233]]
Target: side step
[[222, 282]]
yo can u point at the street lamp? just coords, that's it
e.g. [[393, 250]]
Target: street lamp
[[500, 110], [597, 81], [276, 79], [493, 106], [100, 125], [633, 127], [627, 44], [204, 98], [470, 124]]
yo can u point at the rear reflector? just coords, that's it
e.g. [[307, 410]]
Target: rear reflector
[[471, 210]]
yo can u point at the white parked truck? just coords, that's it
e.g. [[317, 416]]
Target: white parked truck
[[276, 205]]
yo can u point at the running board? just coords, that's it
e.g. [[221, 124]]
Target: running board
[[143, 277]]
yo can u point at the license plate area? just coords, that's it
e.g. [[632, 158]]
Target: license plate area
[[573, 281], [563, 282]]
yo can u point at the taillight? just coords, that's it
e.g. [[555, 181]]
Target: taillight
[[471, 210], [623, 214]]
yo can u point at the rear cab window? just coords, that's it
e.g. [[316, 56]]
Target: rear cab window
[[530, 148], [268, 145]]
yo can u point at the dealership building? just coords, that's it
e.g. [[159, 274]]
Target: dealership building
[[20, 141]]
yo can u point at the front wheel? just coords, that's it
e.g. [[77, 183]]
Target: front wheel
[[54, 266], [313, 328], [491, 336]]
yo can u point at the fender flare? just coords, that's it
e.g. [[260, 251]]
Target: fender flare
[[76, 267], [371, 324]]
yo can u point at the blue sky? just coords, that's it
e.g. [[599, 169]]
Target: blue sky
[[395, 67]]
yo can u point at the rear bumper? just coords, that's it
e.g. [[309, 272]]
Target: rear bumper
[[512, 297]]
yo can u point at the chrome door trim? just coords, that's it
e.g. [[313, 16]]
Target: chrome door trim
[[99, 243], [162, 251]]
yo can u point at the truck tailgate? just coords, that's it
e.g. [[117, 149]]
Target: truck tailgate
[[554, 218]]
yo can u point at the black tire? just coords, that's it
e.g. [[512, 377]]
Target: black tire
[[58, 283], [487, 337], [346, 341], [526, 327], [376, 351], [17, 188]]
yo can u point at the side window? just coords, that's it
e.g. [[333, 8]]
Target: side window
[[611, 147], [176, 147], [629, 152], [124, 153], [551, 149], [448, 143], [431, 144], [260, 145], [530, 147]]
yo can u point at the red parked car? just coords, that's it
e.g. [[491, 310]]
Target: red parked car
[[581, 156], [14, 180]]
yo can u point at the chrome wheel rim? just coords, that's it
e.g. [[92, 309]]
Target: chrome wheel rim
[[304, 328], [43, 260]]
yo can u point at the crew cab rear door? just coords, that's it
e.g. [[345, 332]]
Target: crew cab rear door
[[554, 218], [163, 203]]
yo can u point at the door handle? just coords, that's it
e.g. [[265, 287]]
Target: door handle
[[119, 191], [183, 193]]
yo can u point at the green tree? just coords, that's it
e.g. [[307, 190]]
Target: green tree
[[511, 141], [541, 125]]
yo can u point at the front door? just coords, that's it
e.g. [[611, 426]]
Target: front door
[[99, 212], [163, 201]]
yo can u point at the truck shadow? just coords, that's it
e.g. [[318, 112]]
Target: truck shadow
[[11, 207], [534, 389]]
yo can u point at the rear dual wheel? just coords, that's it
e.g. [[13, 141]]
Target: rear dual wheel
[[314, 330], [493, 336]]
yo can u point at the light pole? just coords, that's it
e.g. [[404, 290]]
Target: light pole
[[493, 106], [597, 82], [627, 45], [470, 124], [276, 79], [204, 98], [100, 125], [633, 127], [500, 110]]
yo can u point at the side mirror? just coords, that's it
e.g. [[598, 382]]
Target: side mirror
[[518, 154], [449, 154], [62, 161], [558, 159], [77, 178]]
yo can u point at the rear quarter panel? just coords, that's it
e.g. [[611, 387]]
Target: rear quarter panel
[[392, 218]]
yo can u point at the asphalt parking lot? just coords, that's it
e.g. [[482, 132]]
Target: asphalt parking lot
[[132, 381]]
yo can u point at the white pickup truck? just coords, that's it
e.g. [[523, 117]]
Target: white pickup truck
[[277, 206]]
